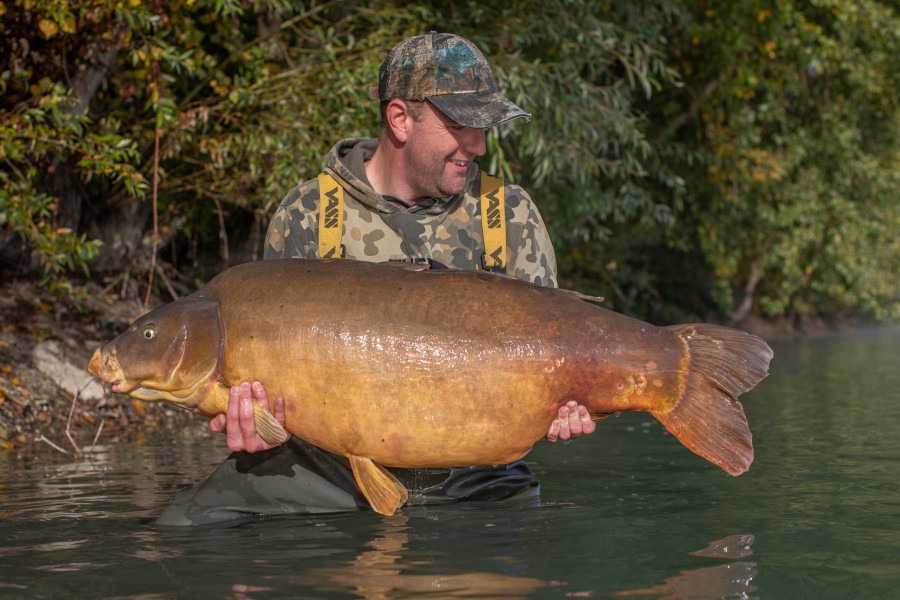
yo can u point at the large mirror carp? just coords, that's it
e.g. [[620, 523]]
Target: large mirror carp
[[436, 368]]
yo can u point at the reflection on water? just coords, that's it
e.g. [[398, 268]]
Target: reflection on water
[[382, 571], [732, 580], [626, 513], [725, 581]]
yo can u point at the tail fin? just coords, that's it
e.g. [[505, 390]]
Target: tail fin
[[707, 418]]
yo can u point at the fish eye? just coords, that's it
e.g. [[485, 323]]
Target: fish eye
[[149, 332]]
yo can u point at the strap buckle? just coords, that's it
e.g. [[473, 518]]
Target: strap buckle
[[484, 266]]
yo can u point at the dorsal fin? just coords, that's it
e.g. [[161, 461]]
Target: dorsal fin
[[406, 266]]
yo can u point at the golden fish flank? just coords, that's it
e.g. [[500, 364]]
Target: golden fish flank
[[421, 388]]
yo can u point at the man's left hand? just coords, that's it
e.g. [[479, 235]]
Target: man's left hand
[[238, 423], [572, 420]]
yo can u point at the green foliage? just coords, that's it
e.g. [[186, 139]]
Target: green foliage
[[583, 69], [799, 203], [36, 137], [251, 123], [41, 135], [703, 160]]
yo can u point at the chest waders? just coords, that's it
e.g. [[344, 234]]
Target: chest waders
[[493, 221]]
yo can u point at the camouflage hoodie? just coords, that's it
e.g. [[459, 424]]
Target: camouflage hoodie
[[446, 231]]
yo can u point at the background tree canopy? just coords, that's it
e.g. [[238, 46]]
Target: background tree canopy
[[711, 160]]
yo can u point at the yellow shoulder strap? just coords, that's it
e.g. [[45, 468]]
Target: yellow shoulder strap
[[493, 222], [331, 217]]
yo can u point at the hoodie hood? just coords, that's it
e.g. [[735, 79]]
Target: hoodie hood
[[346, 163]]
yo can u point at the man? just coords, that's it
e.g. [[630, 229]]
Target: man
[[412, 195]]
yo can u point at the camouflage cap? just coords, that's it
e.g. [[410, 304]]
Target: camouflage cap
[[451, 73]]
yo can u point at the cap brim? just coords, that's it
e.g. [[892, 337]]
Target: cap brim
[[478, 109]]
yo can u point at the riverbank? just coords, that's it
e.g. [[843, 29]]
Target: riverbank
[[46, 395]]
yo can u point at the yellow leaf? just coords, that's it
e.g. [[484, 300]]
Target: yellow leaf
[[762, 15], [69, 25], [139, 407], [48, 28]]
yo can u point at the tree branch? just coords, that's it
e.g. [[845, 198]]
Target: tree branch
[[695, 105]]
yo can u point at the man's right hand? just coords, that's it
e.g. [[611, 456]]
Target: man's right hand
[[237, 423]]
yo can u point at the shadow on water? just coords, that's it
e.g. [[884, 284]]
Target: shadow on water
[[627, 513]]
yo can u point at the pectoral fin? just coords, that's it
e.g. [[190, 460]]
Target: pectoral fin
[[268, 426], [383, 491]]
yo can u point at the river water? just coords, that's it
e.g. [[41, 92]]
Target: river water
[[626, 512]]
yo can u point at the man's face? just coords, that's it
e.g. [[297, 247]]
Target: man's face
[[438, 153]]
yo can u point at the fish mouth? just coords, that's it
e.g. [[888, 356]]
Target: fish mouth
[[105, 367], [117, 386], [120, 387]]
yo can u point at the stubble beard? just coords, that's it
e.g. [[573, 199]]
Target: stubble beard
[[433, 179]]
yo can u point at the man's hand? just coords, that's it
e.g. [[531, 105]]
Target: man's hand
[[572, 420], [237, 423]]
